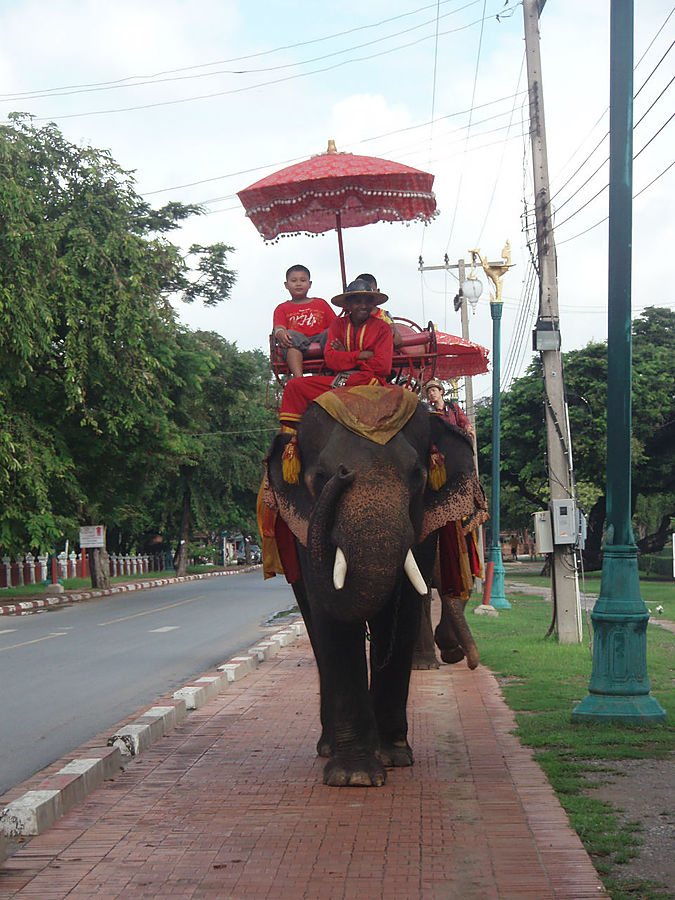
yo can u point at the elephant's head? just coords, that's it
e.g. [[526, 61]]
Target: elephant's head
[[360, 507]]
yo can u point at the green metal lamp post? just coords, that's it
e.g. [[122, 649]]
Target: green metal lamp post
[[497, 597], [619, 686], [494, 273]]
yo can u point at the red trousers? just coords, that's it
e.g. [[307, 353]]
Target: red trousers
[[299, 393]]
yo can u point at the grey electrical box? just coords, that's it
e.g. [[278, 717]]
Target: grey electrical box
[[546, 335], [542, 532], [563, 521]]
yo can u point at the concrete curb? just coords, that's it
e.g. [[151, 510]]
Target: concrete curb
[[28, 607], [37, 810]]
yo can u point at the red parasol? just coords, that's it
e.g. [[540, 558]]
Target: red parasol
[[337, 190], [457, 356]]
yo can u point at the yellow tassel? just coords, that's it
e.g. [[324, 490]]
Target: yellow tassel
[[437, 474], [290, 462]]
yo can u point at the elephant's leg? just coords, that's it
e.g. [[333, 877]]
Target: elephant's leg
[[323, 746], [347, 705], [453, 635], [391, 657], [424, 656]]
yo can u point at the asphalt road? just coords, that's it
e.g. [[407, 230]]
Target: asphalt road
[[70, 673]]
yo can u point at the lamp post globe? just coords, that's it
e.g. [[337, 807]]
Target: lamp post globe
[[472, 288]]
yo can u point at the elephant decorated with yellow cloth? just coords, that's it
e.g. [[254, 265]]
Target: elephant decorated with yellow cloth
[[359, 495]]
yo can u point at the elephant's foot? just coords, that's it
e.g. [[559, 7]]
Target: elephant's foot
[[323, 747], [342, 771], [398, 753], [452, 654], [453, 636], [425, 660], [457, 653]]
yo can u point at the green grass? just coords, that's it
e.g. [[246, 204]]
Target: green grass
[[655, 592], [542, 681]]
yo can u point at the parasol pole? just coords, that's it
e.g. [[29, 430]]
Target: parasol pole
[[338, 228]]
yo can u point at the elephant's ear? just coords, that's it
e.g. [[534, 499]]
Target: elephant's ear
[[292, 499], [460, 496]]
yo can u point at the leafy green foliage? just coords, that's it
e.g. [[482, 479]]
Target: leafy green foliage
[[523, 438], [104, 400]]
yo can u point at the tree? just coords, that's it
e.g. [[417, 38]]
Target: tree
[[523, 456], [219, 409], [88, 336]]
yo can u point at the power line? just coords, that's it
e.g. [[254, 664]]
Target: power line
[[641, 191], [667, 122], [174, 78], [260, 84], [501, 160], [468, 127], [602, 189], [604, 113], [520, 334], [120, 81], [288, 162]]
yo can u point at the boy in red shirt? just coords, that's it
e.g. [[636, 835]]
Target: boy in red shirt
[[300, 320]]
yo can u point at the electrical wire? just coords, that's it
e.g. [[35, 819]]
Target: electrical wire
[[468, 131], [526, 313], [501, 159], [276, 68], [286, 162], [520, 334], [606, 134], [667, 122], [120, 81], [260, 84], [560, 224], [433, 112]]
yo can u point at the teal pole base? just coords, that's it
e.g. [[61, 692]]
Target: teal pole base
[[498, 597], [619, 686], [641, 709]]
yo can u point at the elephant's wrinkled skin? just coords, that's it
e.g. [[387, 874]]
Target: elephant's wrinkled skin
[[374, 503]]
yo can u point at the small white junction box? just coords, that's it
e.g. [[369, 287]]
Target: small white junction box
[[542, 531], [564, 521]]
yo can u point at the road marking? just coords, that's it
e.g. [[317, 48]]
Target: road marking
[[36, 641], [151, 611], [165, 628], [7, 630]]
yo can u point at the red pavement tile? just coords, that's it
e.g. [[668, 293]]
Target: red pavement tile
[[231, 805]]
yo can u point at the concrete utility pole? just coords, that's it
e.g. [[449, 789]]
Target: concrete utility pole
[[564, 579]]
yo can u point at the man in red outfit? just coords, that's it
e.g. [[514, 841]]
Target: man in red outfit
[[359, 350]]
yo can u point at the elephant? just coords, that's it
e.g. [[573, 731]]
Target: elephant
[[364, 519], [452, 634]]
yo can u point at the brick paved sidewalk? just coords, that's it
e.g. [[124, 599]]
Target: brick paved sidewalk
[[231, 805]]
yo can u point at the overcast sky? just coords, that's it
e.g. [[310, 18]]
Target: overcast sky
[[201, 100]]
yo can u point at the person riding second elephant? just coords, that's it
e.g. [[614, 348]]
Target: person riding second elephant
[[449, 409], [359, 349]]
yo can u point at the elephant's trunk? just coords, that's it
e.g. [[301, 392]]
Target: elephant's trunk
[[359, 541]]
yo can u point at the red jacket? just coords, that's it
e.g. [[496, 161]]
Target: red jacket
[[373, 335]]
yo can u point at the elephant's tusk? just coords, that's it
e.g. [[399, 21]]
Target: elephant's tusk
[[414, 574], [339, 570]]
